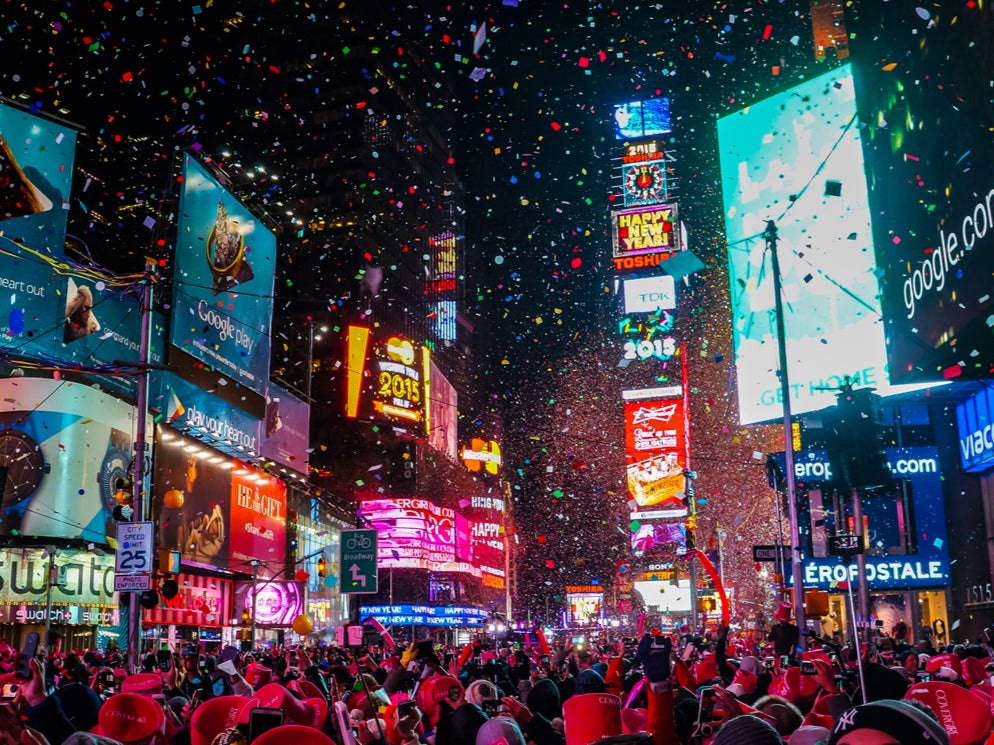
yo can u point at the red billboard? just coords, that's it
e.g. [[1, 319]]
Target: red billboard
[[258, 517], [656, 452]]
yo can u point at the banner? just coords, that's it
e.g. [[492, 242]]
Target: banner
[[225, 264], [655, 453], [64, 446]]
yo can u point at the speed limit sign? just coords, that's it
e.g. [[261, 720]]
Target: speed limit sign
[[134, 548]]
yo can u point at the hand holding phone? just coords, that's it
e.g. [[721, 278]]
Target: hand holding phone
[[262, 720], [491, 707], [28, 652]]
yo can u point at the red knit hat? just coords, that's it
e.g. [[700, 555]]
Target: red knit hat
[[132, 719]]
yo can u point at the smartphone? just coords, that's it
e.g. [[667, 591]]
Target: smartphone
[[491, 707], [658, 642], [705, 710], [263, 720], [879, 623], [405, 707], [808, 668], [784, 661], [922, 676], [164, 656], [769, 663], [9, 690], [28, 651]]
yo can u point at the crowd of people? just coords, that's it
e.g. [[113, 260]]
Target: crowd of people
[[655, 690]]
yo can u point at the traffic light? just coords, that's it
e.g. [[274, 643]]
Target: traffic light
[[322, 567], [246, 617], [857, 454]]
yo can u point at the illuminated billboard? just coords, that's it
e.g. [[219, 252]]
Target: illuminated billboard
[[656, 452], [36, 166], [652, 229], [584, 603], [975, 426], [275, 603], [924, 92], [63, 445], [232, 514], [224, 270], [649, 294], [443, 414], [796, 159], [637, 119], [387, 379], [486, 520], [643, 173], [419, 534]]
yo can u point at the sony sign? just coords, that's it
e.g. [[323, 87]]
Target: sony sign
[[649, 294]]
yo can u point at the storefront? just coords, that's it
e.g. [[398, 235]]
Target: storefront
[[84, 606], [907, 564], [196, 615]]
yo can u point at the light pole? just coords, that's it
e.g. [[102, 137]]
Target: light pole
[[770, 235]]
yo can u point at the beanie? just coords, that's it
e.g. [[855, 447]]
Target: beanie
[[479, 691], [747, 730]]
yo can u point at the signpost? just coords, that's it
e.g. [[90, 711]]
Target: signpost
[[769, 553], [133, 563], [358, 563]]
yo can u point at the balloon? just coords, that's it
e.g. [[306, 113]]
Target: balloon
[[173, 499], [303, 625]]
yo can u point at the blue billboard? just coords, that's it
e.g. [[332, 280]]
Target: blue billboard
[[225, 265], [637, 119], [975, 427], [907, 539], [36, 162]]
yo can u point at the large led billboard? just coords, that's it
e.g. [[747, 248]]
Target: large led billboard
[[36, 163], [387, 378], [796, 159], [419, 534], [63, 445], [232, 514], [923, 84], [651, 229], [656, 452], [637, 119], [224, 270]]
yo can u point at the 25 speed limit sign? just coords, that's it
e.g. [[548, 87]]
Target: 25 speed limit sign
[[134, 548]]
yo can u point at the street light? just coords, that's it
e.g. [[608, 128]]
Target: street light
[[496, 627]]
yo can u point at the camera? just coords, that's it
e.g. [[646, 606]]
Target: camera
[[10, 690], [769, 663], [808, 668]]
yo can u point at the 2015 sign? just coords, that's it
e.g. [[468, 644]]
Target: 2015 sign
[[644, 349]]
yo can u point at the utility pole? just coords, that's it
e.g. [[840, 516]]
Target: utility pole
[[141, 508], [796, 568]]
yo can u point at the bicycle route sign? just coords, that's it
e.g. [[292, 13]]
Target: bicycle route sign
[[357, 563]]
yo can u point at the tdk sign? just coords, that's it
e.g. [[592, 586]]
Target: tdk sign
[[649, 294]]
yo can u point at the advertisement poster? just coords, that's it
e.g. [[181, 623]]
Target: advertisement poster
[[232, 513], [655, 452], [275, 603], [201, 601], [652, 229], [419, 534], [387, 379], [831, 311], [225, 264], [923, 91], [64, 446], [36, 160], [286, 429]]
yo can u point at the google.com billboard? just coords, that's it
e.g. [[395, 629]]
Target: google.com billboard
[[927, 111]]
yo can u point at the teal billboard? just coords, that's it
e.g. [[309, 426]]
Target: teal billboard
[[224, 268]]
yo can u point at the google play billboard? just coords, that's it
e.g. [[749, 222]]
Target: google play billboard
[[796, 159]]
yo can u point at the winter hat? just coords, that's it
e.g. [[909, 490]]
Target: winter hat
[[908, 724], [298, 734], [961, 713], [747, 730], [973, 670], [132, 719], [461, 726], [706, 670], [809, 734], [213, 717], [752, 665], [498, 728], [479, 691], [950, 661], [589, 681], [544, 699]]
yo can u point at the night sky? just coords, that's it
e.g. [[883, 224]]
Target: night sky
[[530, 129]]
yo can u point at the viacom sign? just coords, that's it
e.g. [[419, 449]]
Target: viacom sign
[[975, 420]]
